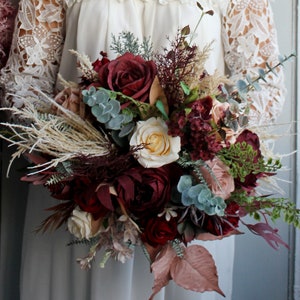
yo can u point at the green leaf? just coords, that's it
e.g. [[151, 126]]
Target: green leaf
[[185, 30], [185, 88], [160, 106]]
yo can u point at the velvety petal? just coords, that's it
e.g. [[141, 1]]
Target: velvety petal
[[104, 196]]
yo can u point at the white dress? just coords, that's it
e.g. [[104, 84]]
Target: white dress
[[243, 36]]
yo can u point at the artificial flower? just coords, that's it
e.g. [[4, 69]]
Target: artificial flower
[[218, 110], [71, 98], [81, 224], [158, 231], [159, 147], [218, 178], [86, 197], [144, 191], [128, 74], [224, 225]]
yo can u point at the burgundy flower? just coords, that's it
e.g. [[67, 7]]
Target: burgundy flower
[[129, 74], [97, 64], [250, 180], [223, 226], [86, 197], [144, 191], [195, 130], [251, 139], [158, 231]]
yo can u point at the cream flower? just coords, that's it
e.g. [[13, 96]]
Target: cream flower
[[80, 224], [160, 148]]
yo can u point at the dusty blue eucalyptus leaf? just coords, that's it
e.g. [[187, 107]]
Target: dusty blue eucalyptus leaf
[[241, 85], [126, 129], [97, 111], [185, 182], [186, 200], [115, 123], [195, 190], [256, 86]]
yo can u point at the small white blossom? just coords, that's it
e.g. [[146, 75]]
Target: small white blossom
[[169, 213]]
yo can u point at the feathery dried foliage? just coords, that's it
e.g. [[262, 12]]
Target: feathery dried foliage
[[60, 215], [62, 137], [174, 66], [85, 66]]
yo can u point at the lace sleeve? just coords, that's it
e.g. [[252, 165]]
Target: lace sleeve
[[35, 51], [250, 40]]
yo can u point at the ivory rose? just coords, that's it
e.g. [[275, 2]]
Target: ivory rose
[[159, 147], [81, 224], [220, 181]]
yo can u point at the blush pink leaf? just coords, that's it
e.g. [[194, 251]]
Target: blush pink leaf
[[161, 269], [196, 271]]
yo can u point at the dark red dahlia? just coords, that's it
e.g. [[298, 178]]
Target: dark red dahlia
[[144, 191]]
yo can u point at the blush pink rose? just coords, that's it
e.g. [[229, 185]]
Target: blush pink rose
[[220, 181], [70, 98], [218, 110]]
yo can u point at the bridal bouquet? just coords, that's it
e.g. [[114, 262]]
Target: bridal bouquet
[[150, 150]]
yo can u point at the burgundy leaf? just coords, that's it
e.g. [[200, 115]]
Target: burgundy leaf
[[206, 236], [268, 233], [104, 196], [35, 158]]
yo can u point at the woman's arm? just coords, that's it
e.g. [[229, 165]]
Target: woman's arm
[[250, 41], [36, 50]]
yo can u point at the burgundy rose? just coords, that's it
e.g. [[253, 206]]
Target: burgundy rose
[[144, 191], [223, 226], [86, 197], [158, 231], [129, 74]]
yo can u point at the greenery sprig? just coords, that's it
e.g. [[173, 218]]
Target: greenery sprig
[[240, 158], [244, 86], [276, 208], [127, 42]]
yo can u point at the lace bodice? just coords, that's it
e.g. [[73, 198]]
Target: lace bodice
[[247, 29]]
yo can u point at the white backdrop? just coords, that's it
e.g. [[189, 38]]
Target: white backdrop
[[261, 273]]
